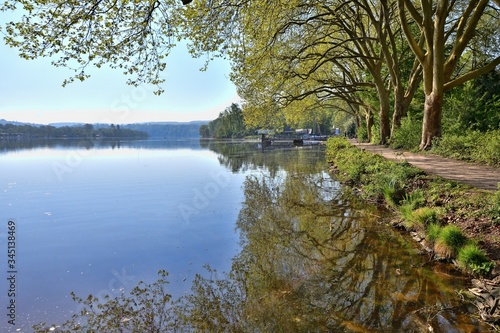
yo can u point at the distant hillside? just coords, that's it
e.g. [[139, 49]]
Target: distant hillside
[[68, 124], [17, 123], [169, 129]]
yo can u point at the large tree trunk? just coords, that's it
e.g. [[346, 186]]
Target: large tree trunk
[[369, 125], [399, 109], [403, 98], [431, 126], [433, 76], [385, 127], [383, 95]]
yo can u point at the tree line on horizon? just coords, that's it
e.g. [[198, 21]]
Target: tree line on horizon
[[171, 131], [85, 131]]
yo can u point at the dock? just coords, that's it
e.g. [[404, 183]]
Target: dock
[[290, 140]]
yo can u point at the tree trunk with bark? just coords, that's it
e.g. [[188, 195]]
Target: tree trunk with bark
[[369, 125], [431, 126], [399, 109], [384, 107], [402, 99]]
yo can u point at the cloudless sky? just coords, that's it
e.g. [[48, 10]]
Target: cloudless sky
[[31, 91]]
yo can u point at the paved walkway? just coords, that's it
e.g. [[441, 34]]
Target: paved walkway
[[480, 176]]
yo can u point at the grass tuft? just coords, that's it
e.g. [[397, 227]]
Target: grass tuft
[[472, 258], [433, 232], [450, 240], [391, 194], [418, 218], [414, 199], [425, 216]]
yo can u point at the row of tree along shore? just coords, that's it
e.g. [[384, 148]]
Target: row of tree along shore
[[471, 125], [231, 124], [8, 131]]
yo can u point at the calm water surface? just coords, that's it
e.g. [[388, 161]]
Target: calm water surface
[[97, 218]]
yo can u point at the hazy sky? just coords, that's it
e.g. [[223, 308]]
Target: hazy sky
[[31, 91]]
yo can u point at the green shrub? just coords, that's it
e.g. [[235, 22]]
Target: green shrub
[[456, 146], [494, 210], [355, 171], [403, 172], [362, 133], [470, 146], [342, 154], [335, 144], [380, 177], [488, 149], [376, 133], [408, 135], [472, 258]]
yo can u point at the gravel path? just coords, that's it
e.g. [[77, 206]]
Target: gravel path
[[480, 176]]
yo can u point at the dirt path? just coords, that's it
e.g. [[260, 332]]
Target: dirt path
[[480, 176]]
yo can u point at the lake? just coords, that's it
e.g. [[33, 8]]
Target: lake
[[97, 217]]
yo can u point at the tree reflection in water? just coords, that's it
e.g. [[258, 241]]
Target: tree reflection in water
[[314, 259]]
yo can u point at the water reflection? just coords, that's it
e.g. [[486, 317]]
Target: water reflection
[[240, 156], [313, 259], [237, 156], [8, 145]]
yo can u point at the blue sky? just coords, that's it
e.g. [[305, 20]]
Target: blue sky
[[31, 91]]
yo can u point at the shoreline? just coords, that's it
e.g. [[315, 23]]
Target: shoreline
[[459, 205]]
